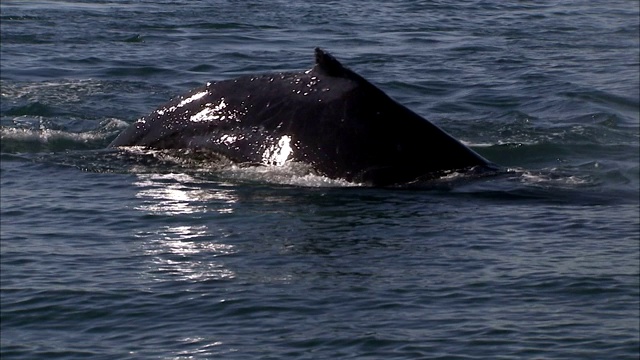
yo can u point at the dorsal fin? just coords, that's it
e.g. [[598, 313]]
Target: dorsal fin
[[326, 63]]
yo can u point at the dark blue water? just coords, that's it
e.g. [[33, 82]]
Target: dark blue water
[[110, 255]]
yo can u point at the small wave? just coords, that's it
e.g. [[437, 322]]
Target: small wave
[[49, 92], [213, 166], [291, 173], [515, 127], [551, 177], [34, 139], [206, 163], [611, 100]]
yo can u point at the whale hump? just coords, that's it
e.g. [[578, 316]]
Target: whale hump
[[329, 117]]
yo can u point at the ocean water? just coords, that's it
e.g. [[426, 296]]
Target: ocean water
[[143, 255]]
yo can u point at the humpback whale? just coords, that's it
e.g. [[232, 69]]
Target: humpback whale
[[328, 117]]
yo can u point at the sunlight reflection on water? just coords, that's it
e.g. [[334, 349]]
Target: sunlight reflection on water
[[186, 251], [173, 194]]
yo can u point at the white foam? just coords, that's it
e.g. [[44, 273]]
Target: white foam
[[548, 177], [48, 135], [290, 173]]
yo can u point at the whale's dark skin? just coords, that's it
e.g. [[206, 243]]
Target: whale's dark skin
[[328, 117]]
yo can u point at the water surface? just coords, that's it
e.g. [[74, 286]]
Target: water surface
[[137, 255]]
